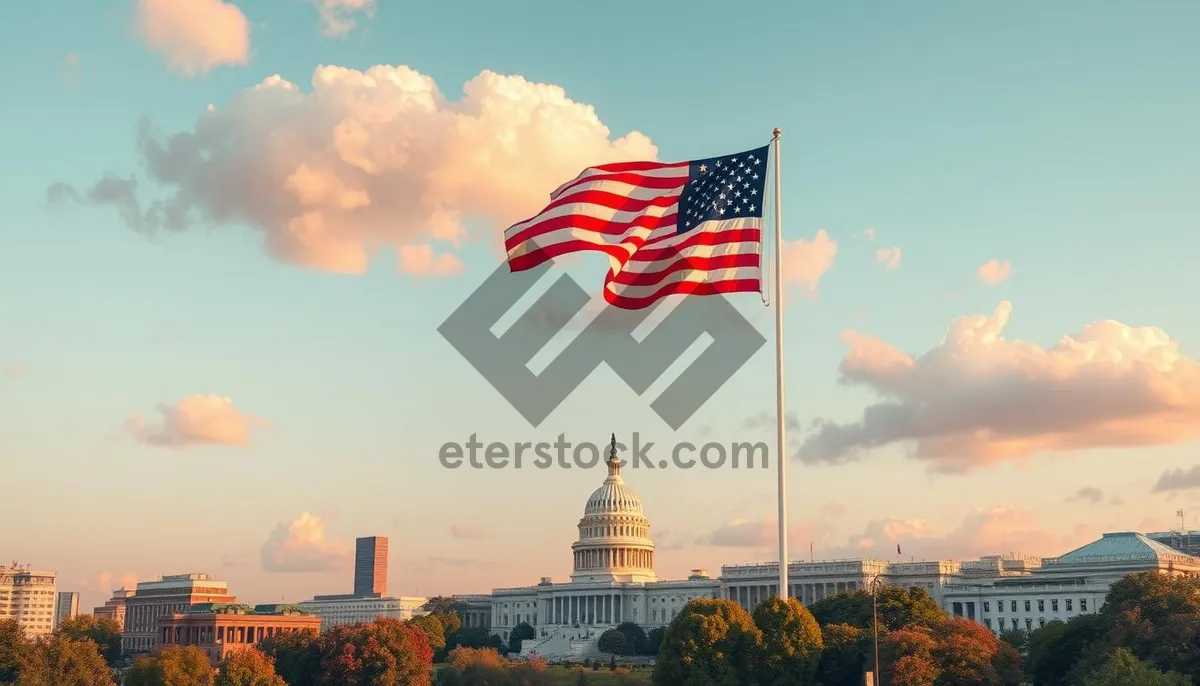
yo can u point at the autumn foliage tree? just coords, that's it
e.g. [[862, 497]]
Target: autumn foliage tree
[[433, 628], [250, 667], [58, 661], [172, 666], [486, 667], [103, 631], [384, 652]]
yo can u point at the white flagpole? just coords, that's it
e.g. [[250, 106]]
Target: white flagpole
[[780, 416]]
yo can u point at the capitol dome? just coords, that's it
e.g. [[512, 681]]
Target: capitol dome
[[614, 535]]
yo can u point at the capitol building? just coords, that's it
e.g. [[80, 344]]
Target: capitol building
[[613, 581]]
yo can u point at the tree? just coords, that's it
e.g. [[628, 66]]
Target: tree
[[103, 631], [843, 655], [446, 610], [791, 643], [521, 632], [386, 651], [906, 658], [475, 637], [614, 643], [433, 628], [709, 642], [899, 608], [1124, 669], [653, 641], [1156, 596], [58, 660], [12, 643], [480, 666], [1055, 648], [636, 636], [968, 653], [296, 655], [172, 666], [1017, 638], [250, 667]]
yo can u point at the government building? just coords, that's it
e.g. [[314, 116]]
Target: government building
[[613, 581]]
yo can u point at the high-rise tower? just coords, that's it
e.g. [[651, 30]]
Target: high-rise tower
[[370, 566]]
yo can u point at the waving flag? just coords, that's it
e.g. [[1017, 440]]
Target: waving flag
[[690, 227]]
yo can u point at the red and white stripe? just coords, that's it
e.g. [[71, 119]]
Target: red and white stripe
[[630, 210]]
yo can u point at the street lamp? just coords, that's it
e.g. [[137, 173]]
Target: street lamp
[[875, 624]]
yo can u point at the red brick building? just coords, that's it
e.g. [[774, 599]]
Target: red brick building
[[219, 629]]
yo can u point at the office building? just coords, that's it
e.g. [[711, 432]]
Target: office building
[[336, 610], [66, 607], [28, 596], [154, 600], [114, 607], [370, 566]]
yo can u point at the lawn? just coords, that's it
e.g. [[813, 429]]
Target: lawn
[[564, 676]]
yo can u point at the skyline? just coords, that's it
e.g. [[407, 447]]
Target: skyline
[[245, 392]]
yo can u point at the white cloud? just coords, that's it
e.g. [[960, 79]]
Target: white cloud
[[196, 36], [364, 161], [805, 262], [888, 257], [301, 546], [977, 398], [994, 271], [194, 420]]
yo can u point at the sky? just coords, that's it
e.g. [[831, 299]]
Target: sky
[[229, 232]]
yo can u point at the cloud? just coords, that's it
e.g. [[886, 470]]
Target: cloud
[[888, 257], [977, 399], [753, 533], [1178, 480], [420, 260], [994, 271], [301, 546], [195, 420], [767, 420], [1087, 494], [666, 540], [365, 161], [870, 234], [336, 15], [466, 531], [805, 262], [107, 582], [196, 36], [984, 531], [17, 370]]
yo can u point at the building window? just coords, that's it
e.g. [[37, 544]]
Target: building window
[[1041, 621], [987, 606], [1041, 606], [1028, 624], [1027, 606], [1002, 622], [1014, 606], [1054, 605], [1069, 601], [1083, 604], [987, 623]]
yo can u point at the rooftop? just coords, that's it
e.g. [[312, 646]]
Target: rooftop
[[1122, 545]]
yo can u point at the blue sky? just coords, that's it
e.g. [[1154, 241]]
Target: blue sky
[[1060, 139]]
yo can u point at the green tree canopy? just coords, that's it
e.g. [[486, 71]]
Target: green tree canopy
[[296, 655], [791, 643], [1124, 669], [1156, 596], [899, 608], [521, 632], [172, 666], [1017, 638], [614, 642], [710, 642], [636, 636], [446, 610], [433, 628], [843, 654], [250, 667], [475, 637], [103, 631], [653, 641], [59, 661]]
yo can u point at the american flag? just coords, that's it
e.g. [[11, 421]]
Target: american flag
[[668, 228]]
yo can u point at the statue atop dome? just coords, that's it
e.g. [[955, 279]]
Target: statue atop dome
[[613, 461]]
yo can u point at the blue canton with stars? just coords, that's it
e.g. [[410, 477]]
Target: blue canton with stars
[[727, 187]]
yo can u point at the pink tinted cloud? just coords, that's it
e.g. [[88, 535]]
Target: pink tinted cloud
[[301, 546], [337, 16], [977, 399], [17, 370], [994, 271], [984, 531], [195, 35], [421, 260], [805, 262], [195, 420], [889, 257], [366, 160]]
